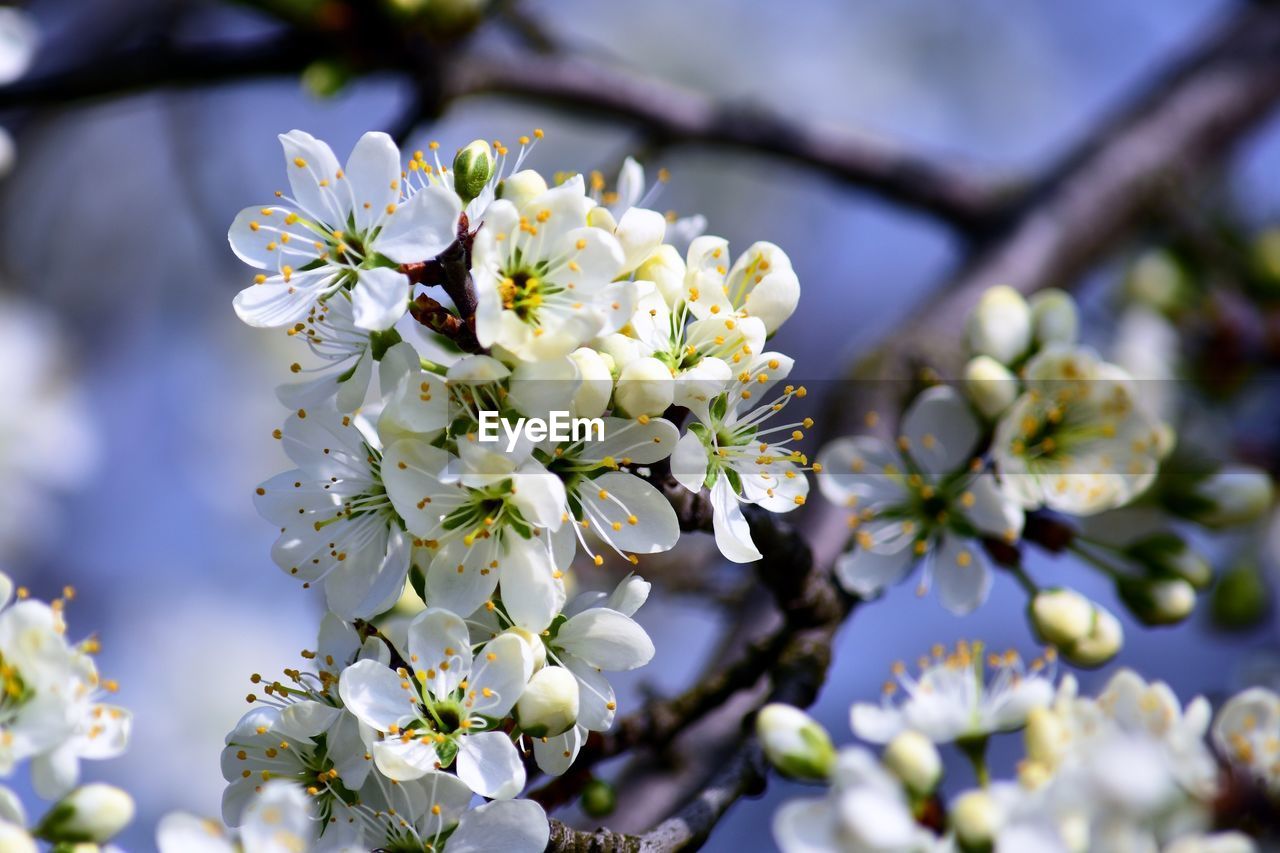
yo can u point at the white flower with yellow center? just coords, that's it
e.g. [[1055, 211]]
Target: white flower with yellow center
[[544, 278], [955, 698], [48, 696], [1247, 734], [342, 229], [435, 817], [923, 497], [1077, 440], [865, 810], [602, 495], [761, 282], [444, 704], [482, 519], [596, 633], [347, 354], [337, 524], [277, 820], [732, 451]]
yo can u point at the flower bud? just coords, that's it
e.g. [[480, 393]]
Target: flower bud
[[619, 350], [599, 798], [1265, 260], [325, 78], [1158, 281], [975, 819], [92, 813], [914, 759], [795, 743], [1235, 494], [522, 187], [1061, 617], [1158, 602], [1000, 325], [549, 704], [600, 217], [1101, 644], [472, 168], [1054, 318], [1044, 736], [537, 648], [666, 269], [645, 387], [1168, 555], [990, 385], [1240, 598], [592, 396]]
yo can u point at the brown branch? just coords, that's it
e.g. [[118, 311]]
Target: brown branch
[[669, 114]]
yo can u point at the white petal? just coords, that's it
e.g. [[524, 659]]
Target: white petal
[[421, 228], [515, 826], [460, 577], [941, 429], [489, 764], [530, 594], [310, 161], [733, 534], [639, 232], [866, 571], [276, 302], [993, 512], [874, 723], [606, 639], [185, 833], [373, 176], [961, 574], [806, 825], [278, 820], [440, 648], [689, 462], [633, 516], [380, 298], [374, 693], [774, 299], [556, 754], [403, 760], [539, 495], [503, 668]]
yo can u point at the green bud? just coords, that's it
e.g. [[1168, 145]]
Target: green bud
[[1168, 555], [472, 168], [1265, 261], [1157, 279], [599, 798], [1233, 495], [1241, 599], [795, 743], [1165, 601], [90, 814], [325, 78]]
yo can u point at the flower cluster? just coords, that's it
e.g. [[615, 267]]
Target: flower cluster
[[52, 715], [1130, 769], [1043, 442], [441, 301]]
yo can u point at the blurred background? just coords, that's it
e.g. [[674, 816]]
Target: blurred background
[[136, 411]]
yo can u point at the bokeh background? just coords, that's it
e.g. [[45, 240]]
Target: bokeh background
[[112, 233]]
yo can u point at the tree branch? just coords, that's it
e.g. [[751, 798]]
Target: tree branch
[[673, 115]]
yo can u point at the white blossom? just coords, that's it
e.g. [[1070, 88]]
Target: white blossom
[[341, 230]]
